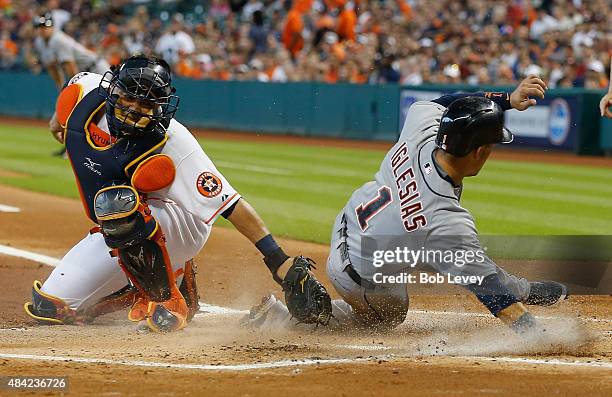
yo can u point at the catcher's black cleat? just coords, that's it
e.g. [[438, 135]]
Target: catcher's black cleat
[[546, 293], [306, 298]]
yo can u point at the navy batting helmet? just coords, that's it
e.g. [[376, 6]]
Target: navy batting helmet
[[471, 122]]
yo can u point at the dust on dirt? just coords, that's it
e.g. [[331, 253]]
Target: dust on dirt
[[438, 349]]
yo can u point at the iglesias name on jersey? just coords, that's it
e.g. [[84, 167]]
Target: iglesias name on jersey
[[411, 198]]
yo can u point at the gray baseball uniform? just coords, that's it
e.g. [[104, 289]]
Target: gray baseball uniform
[[411, 203], [62, 48]]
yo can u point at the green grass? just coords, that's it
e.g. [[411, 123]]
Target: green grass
[[298, 190]]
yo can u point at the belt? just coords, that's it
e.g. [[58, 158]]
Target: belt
[[346, 261]]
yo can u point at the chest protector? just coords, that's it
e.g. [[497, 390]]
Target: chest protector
[[97, 167]]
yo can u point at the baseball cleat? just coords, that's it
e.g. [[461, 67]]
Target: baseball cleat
[[163, 319], [258, 313], [546, 293]]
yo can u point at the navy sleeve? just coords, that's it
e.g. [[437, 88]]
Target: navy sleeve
[[500, 98], [226, 214]]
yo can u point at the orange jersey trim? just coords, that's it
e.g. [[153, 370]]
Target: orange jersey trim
[[88, 133], [100, 137], [229, 200]]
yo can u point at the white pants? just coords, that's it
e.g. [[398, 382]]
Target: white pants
[[87, 273]]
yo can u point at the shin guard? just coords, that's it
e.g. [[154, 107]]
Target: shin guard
[[136, 238]]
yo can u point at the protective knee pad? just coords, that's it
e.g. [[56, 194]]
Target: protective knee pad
[[49, 309], [167, 316], [124, 219], [149, 268], [188, 289]]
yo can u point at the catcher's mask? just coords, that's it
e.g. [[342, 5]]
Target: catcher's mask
[[139, 96]]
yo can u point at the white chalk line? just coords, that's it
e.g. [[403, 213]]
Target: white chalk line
[[8, 208], [44, 259], [203, 367], [364, 347], [485, 315], [576, 363], [208, 309], [291, 363]]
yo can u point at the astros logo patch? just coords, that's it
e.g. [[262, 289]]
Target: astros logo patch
[[209, 185]]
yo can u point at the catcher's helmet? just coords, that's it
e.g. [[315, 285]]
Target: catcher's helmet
[[146, 80], [471, 122]]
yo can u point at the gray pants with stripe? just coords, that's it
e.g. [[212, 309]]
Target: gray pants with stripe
[[375, 306]]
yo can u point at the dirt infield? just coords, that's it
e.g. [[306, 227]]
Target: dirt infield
[[447, 346]]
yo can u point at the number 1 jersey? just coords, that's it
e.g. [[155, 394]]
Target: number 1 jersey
[[410, 201]]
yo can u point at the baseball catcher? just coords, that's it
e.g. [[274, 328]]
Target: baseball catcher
[[153, 194], [415, 199]]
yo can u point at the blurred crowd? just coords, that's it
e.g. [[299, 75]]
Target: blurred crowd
[[476, 42]]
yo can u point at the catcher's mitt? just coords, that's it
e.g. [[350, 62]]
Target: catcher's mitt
[[306, 298]]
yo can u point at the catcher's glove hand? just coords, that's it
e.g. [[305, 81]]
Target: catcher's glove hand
[[306, 298]]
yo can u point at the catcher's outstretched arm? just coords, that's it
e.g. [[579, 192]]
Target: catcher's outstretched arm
[[246, 220], [306, 298]]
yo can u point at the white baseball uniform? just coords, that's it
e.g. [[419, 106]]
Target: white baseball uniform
[[185, 210]]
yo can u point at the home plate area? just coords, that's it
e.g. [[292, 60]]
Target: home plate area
[[448, 343]]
